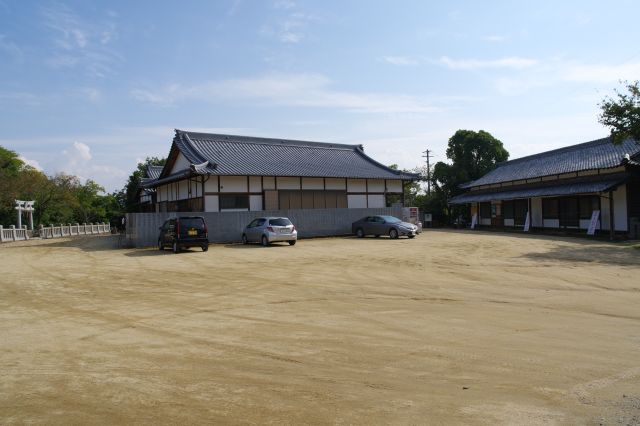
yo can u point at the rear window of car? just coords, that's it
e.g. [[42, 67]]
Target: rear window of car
[[280, 222], [192, 222]]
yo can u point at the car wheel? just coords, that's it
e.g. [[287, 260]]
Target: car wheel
[[292, 242], [265, 241], [205, 247], [160, 246], [244, 239], [359, 233], [174, 247], [393, 233], [411, 236]]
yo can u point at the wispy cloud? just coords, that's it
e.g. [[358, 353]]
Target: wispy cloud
[[22, 98], [290, 25], [78, 43], [10, 48], [494, 38], [293, 90], [400, 60], [472, 64]]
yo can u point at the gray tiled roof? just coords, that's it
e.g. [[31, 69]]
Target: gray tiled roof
[[573, 188], [153, 172], [598, 154], [241, 155]]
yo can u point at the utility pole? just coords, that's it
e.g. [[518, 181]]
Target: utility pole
[[428, 156]]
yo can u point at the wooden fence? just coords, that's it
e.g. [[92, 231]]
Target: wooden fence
[[17, 234]]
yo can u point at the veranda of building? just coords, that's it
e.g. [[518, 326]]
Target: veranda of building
[[561, 189], [216, 173]]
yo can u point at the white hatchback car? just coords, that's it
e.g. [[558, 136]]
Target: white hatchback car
[[266, 230]]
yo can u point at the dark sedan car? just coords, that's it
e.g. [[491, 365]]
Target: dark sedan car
[[383, 225]]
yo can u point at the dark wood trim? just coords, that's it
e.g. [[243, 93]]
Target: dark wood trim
[[219, 190], [324, 184]]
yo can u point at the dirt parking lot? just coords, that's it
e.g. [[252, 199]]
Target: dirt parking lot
[[447, 328]]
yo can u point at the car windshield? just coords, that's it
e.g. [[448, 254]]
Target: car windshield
[[282, 221], [391, 219], [192, 222]]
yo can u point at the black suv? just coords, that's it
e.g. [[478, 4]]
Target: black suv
[[184, 232]]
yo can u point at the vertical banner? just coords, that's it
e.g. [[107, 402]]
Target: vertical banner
[[595, 215], [527, 222], [474, 221]]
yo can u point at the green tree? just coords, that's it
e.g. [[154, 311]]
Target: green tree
[[133, 183], [472, 154], [622, 114]]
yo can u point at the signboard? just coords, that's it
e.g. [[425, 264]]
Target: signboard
[[474, 221], [594, 222], [527, 223], [428, 217]]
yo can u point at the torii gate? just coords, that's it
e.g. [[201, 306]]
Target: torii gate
[[25, 206]]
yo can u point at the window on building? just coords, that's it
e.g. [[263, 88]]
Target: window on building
[[549, 208], [485, 210], [508, 209], [588, 204], [568, 211], [230, 202], [520, 208]]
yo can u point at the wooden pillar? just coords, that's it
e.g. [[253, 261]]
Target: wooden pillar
[[611, 218], [402, 197]]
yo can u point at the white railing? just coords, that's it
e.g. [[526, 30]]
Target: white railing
[[71, 230], [20, 234], [13, 234]]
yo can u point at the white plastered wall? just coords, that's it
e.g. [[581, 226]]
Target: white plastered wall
[[233, 184], [375, 185], [255, 202], [312, 183], [394, 186], [356, 185], [336, 183], [180, 164], [376, 200], [356, 201], [211, 203], [288, 183]]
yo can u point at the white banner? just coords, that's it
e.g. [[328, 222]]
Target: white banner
[[474, 221], [527, 223], [594, 222]]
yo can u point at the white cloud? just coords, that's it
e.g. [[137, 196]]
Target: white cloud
[[78, 43], [400, 60], [601, 73], [293, 90], [472, 64], [33, 163]]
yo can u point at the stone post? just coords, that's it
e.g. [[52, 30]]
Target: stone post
[[13, 232], [1, 234]]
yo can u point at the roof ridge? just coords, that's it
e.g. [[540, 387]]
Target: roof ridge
[[257, 140]]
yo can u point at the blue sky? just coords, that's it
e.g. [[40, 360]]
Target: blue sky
[[91, 88]]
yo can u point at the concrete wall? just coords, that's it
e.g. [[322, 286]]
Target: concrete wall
[[142, 228]]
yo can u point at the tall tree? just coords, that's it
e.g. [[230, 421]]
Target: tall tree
[[622, 114], [133, 183], [472, 154]]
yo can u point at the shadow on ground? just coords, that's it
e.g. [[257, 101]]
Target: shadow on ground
[[613, 254]]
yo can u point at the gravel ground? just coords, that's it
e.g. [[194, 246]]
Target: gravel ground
[[448, 328]]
